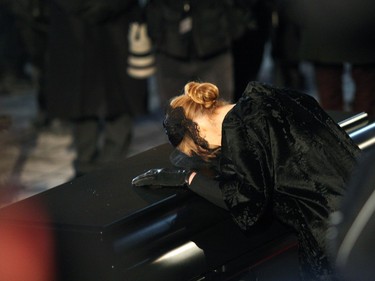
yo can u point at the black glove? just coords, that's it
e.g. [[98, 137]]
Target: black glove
[[163, 177]]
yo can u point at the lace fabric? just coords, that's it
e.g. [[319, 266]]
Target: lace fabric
[[177, 125]]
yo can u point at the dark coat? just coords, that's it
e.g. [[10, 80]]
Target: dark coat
[[281, 153], [335, 31], [87, 59], [214, 25]]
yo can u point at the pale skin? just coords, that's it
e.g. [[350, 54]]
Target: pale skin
[[210, 127]]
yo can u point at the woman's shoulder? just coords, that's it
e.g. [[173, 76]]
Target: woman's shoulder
[[256, 87], [263, 95]]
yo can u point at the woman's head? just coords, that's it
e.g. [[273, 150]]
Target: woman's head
[[198, 99]]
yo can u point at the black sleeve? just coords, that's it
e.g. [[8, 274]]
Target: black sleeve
[[208, 188]]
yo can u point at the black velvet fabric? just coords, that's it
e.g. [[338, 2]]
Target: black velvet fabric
[[281, 153]]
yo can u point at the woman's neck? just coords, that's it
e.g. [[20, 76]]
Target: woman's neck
[[210, 127]]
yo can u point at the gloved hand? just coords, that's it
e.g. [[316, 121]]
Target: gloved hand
[[163, 177]]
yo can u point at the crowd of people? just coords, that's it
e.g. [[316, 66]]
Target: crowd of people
[[80, 52]]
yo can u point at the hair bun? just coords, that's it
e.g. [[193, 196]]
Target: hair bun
[[205, 94]]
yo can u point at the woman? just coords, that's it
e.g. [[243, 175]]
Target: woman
[[275, 151]]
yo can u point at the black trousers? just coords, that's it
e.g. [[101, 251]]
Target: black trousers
[[99, 141]]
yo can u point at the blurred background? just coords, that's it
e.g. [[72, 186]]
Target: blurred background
[[84, 83]]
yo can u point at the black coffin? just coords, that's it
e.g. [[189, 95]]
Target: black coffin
[[105, 229]]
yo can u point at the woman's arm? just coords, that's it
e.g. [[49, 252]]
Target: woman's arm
[[207, 188]]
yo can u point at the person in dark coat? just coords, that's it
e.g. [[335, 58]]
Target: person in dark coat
[[87, 82], [13, 51], [275, 152], [248, 48], [193, 41], [335, 33], [33, 23], [285, 48]]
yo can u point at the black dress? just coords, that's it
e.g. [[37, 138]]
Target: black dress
[[281, 153]]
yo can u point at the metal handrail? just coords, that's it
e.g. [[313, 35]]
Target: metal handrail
[[355, 122], [365, 136]]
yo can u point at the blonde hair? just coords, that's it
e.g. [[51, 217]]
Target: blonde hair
[[199, 98]]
